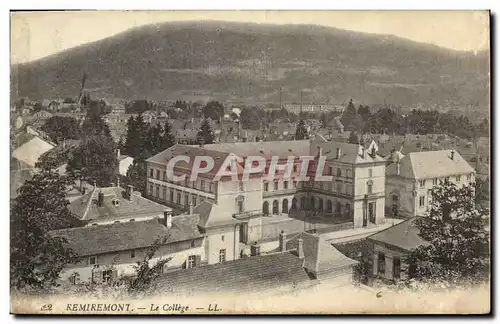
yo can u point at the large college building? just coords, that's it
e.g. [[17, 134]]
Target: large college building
[[356, 193]]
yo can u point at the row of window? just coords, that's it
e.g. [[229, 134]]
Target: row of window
[[436, 181], [174, 196], [202, 185], [276, 185]]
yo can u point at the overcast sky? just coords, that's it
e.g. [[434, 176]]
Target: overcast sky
[[38, 34]]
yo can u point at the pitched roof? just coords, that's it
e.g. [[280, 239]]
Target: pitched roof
[[431, 164], [404, 235], [30, 151], [319, 256], [273, 148], [211, 215], [86, 208], [243, 275], [93, 240]]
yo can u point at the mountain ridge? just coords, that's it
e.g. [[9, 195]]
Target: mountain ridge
[[249, 62]]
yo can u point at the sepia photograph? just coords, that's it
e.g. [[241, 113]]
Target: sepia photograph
[[250, 162]]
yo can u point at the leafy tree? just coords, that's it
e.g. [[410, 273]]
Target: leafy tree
[[250, 117], [301, 131], [364, 112], [168, 137], [37, 257], [458, 250], [154, 139], [324, 120], [213, 110], [138, 106], [94, 125], [353, 138], [62, 128], [137, 175], [95, 160], [69, 100], [205, 134], [482, 191], [37, 107], [146, 273], [348, 117]]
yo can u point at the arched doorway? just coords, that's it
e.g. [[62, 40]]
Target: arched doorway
[[294, 204], [338, 209], [276, 207], [284, 206], [329, 206], [320, 204], [265, 208]]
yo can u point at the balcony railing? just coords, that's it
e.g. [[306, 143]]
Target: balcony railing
[[279, 192], [248, 214]]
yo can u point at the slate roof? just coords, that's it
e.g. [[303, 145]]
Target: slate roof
[[243, 275], [93, 240], [404, 235], [319, 256], [431, 164], [31, 150], [86, 208], [273, 148], [211, 215]]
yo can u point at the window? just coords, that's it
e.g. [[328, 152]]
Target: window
[[202, 185], [370, 173], [193, 243], [107, 275], [222, 238], [164, 175], [339, 172], [469, 177], [150, 173], [421, 202], [275, 185], [396, 268], [349, 173], [93, 260], [157, 191], [369, 187], [222, 255], [164, 193], [132, 253], [381, 263], [422, 183], [285, 185], [339, 187], [186, 199], [458, 178], [171, 195], [330, 171], [191, 261], [179, 198], [186, 181], [266, 186], [158, 174], [434, 182], [151, 189], [194, 200]]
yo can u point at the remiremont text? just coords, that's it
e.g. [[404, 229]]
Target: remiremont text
[[235, 166], [98, 307]]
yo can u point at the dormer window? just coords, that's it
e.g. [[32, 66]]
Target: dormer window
[[116, 202]]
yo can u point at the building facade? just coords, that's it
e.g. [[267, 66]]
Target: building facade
[[356, 194], [411, 177]]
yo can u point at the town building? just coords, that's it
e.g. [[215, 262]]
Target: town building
[[28, 148], [110, 251], [297, 108], [111, 205], [387, 250], [411, 177], [302, 261], [355, 196]]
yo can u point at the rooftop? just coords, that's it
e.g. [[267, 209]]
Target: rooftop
[[431, 164], [404, 235], [86, 207], [93, 240]]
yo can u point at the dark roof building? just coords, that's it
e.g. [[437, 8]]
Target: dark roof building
[[404, 236]]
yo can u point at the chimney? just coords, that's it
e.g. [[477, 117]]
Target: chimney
[[282, 244], [191, 208], [373, 153], [338, 152], [100, 199], [300, 248], [452, 155], [130, 190], [167, 218], [118, 153]]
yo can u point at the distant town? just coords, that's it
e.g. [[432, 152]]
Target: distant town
[[96, 171]]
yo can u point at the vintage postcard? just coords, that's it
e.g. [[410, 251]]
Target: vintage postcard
[[250, 162]]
